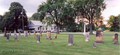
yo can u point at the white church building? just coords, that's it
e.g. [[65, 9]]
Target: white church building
[[35, 25]]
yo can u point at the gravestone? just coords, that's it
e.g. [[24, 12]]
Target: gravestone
[[34, 34], [29, 33], [55, 36], [38, 38], [99, 36], [70, 40], [26, 34], [87, 37], [15, 36], [94, 45], [5, 32], [116, 39], [48, 37], [41, 34], [8, 36], [10, 33], [19, 34]]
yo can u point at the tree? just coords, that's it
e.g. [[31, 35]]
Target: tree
[[1, 22], [35, 16], [114, 23], [89, 9], [58, 12], [19, 15], [13, 20], [7, 21]]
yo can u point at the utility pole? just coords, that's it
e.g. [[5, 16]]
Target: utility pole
[[22, 20]]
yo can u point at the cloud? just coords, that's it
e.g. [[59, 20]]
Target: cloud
[[112, 8], [30, 6]]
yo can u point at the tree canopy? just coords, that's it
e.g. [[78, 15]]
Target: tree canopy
[[89, 9], [58, 12], [113, 22], [13, 20]]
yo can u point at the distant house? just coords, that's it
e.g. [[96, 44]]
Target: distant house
[[35, 25]]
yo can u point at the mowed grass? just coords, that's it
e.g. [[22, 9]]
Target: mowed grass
[[29, 46]]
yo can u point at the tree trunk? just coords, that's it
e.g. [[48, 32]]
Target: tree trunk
[[57, 29], [90, 24]]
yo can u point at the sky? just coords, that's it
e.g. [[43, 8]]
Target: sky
[[31, 6]]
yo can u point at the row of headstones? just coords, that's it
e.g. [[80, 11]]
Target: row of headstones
[[48, 36], [15, 35], [98, 38]]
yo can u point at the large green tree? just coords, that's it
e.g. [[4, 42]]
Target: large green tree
[[1, 17], [14, 19], [89, 9], [113, 22], [35, 16], [58, 12]]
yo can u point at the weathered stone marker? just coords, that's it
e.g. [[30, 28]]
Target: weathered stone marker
[[70, 40], [10, 33], [99, 36], [55, 36], [5, 32], [29, 33], [94, 45], [34, 34], [116, 39], [8, 37], [38, 38], [48, 37], [26, 34], [19, 34], [15, 36], [87, 37]]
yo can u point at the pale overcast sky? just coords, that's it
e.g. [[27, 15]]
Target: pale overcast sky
[[31, 6]]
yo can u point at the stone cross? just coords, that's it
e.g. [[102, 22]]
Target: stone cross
[[116, 39], [87, 37], [70, 40], [8, 37], [38, 38], [99, 36]]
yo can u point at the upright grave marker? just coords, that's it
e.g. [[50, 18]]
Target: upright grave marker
[[8, 37], [87, 37], [26, 33], [15, 36], [19, 34], [70, 40], [55, 36], [29, 33], [5, 32], [34, 34], [38, 38], [115, 39], [40, 31], [48, 37], [99, 36], [94, 45]]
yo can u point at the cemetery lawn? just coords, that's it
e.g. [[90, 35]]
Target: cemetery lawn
[[28, 46]]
